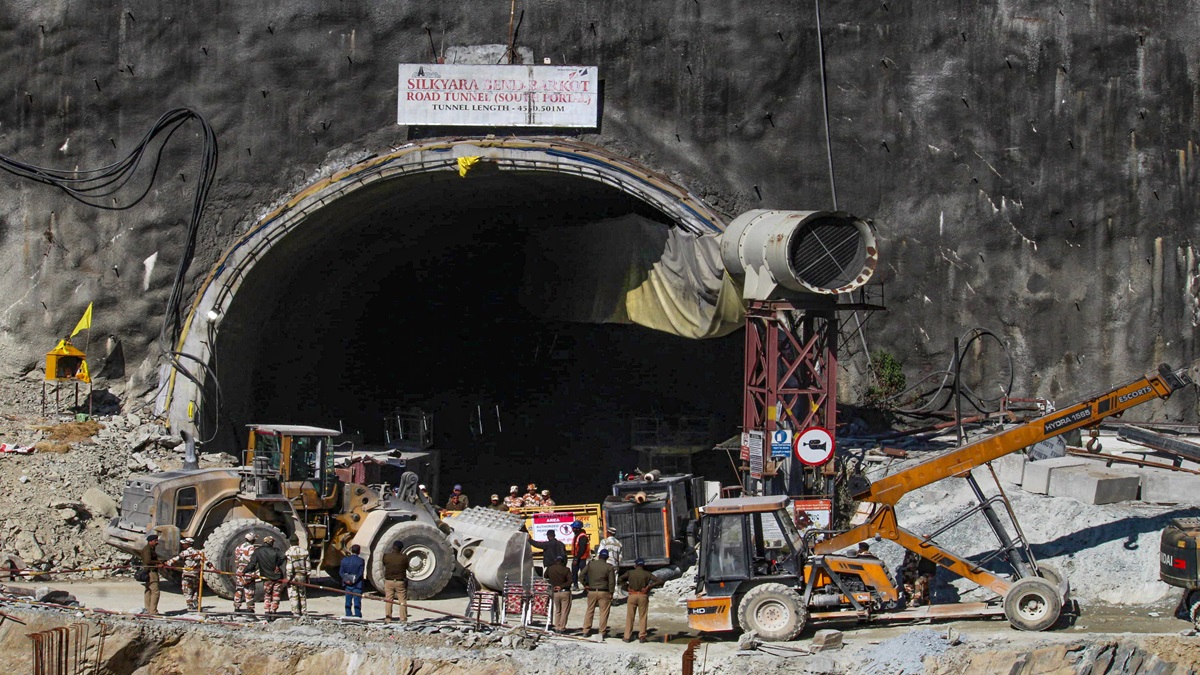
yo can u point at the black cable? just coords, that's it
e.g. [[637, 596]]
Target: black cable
[[89, 186], [932, 396]]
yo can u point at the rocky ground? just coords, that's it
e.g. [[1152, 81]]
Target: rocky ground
[[55, 501]]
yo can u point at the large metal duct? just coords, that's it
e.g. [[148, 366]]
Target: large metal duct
[[782, 253]]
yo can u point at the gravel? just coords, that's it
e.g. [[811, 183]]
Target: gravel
[[903, 655]]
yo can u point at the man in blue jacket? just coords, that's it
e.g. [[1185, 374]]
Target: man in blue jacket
[[352, 572]]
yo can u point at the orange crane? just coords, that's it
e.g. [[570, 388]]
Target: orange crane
[[756, 570]]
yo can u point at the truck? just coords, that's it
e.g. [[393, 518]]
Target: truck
[[757, 572], [287, 488], [655, 518]]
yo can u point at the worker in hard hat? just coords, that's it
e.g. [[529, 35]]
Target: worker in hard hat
[[496, 505], [546, 500], [531, 496], [458, 501], [581, 550], [513, 500]]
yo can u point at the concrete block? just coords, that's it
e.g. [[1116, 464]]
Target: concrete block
[[826, 640], [1037, 474], [1011, 468], [1160, 486], [1094, 484]]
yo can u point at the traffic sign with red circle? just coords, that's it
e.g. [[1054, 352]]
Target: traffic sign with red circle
[[814, 446]]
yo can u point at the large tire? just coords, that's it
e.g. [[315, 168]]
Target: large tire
[[1055, 577], [431, 564], [1033, 604], [219, 547], [774, 612], [1193, 607]]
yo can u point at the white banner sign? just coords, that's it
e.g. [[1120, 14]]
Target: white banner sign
[[490, 96]]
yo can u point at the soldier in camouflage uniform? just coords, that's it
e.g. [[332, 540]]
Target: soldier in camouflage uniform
[[513, 500], [916, 574], [297, 570], [190, 561], [531, 496], [243, 583]]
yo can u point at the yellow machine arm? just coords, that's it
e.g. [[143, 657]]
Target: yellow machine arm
[[1088, 413]]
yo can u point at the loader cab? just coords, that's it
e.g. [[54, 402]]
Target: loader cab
[[745, 539], [303, 456]]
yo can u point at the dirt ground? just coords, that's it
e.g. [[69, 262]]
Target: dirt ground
[[946, 647]]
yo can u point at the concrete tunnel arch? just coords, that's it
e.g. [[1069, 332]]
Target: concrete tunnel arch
[[418, 161]]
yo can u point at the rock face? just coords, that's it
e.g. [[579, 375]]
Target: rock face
[[1031, 171]]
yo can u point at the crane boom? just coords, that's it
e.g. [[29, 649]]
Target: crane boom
[[887, 491], [1086, 413]]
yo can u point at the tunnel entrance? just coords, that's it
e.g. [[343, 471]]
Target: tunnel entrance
[[416, 293]]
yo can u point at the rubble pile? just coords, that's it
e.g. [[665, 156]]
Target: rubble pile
[[56, 500]]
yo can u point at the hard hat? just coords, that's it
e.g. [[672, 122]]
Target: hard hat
[[186, 540], [577, 525], [250, 536], [611, 530], [495, 496], [152, 537], [639, 561], [560, 558], [421, 487], [603, 553], [457, 487], [513, 488]]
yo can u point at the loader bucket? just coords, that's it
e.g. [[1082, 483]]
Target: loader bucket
[[493, 546]]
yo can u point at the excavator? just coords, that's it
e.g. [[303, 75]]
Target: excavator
[[757, 572]]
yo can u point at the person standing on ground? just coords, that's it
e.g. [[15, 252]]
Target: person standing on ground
[[351, 572], [395, 581], [458, 501], [243, 583], [581, 550], [638, 582], [297, 570], [551, 549], [560, 591], [513, 500], [150, 563], [269, 563], [611, 544], [189, 561], [599, 580]]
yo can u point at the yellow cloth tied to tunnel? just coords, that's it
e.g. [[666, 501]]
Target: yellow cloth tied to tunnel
[[632, 270], [465, 164]]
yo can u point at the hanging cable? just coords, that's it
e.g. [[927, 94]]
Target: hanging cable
[[93, 185], [933, 398]]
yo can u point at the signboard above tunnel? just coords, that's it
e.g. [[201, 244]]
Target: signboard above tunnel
[[498, 96]]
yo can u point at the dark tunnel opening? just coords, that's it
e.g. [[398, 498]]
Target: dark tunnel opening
[[407, 294]]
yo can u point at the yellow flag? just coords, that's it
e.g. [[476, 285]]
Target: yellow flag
[[465, 164], [83, 375], [85, 323]]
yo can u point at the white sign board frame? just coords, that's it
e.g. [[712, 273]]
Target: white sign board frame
[[498, 95], [757, 460]]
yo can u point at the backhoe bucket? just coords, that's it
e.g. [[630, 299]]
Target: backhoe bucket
[[493, 546]]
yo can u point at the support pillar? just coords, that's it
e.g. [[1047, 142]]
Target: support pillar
[[790, 383]]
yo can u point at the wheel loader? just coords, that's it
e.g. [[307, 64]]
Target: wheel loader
[[287, 488], [759, 574]]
